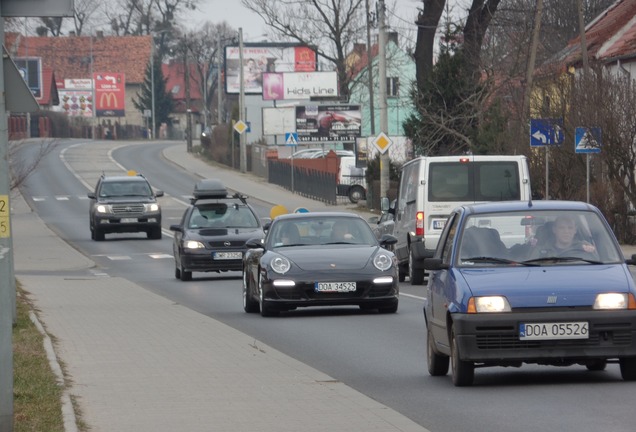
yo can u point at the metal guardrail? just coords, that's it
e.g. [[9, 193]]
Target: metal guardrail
[[314, 184]]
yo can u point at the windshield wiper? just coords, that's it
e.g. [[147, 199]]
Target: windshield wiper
[[561, 259], [497, 260]]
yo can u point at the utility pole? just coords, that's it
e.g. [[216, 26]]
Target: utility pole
[[384, 121], [152, 84], [186, 78], [370, 71], [219, 91], [242, 150], [7, 288]]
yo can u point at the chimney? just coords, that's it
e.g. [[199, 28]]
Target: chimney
[[359, 48], [100, 34], [71, 33]]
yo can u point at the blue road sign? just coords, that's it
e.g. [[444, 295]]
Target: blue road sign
[[546, 132], [291, 138], [587, 140]]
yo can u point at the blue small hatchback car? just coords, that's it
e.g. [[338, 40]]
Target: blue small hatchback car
[[541, 282]]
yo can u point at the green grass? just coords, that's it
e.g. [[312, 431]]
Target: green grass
[[36, 395]]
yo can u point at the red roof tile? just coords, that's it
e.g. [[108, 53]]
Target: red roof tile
[[70, 57]]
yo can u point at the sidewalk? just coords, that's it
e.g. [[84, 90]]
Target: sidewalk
[[136, 361]]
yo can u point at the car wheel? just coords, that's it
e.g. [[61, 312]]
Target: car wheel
[[401, 274], [266, 309], [463, 371], [249, 305], [628, 368], [99, 234], [437, 363], [186, 276], [416, 276], [392, 308], [154, 233], [356, 193], [596, 365]]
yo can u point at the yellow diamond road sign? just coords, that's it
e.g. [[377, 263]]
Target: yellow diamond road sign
[[382, 142], [240, 126]]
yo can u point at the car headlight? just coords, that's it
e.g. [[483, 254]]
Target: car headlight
[[151, 207], [280, 265], [488, 304], [103, 208], [382, 261], [605, 301], [193, 244]]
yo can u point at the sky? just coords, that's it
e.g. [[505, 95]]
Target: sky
[[253, 27]]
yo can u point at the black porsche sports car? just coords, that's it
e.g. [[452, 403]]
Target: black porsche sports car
[[213, 230], [319, 259]]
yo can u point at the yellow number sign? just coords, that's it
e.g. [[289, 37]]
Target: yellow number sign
[[5, 230]]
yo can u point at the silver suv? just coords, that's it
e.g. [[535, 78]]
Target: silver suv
[[124, 204]]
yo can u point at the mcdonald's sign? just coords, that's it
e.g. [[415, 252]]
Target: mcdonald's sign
[[110, 94]]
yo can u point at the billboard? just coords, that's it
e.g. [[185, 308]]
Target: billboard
[[279, 121], [110, 94], [299, 85], [320, 123], [31, 70], [76, 97], [264, 58]]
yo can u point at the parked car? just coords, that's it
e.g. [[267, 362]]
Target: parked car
[[213, 230], [319, 259], [384, 223], [541, 282], [124, 204]]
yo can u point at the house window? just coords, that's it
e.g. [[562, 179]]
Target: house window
[[392, 86]]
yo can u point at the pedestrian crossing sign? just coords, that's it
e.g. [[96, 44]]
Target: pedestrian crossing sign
[[291, 138], [587, 140]]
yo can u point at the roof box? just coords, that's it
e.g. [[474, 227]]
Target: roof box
[[209, 188]]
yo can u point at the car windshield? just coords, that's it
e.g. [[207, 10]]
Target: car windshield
[[221, 215], [534, 238], [320, 230], [124, 188]]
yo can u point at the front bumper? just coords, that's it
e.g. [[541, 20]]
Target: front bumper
[[203, 261], [486, 337], [303, 294], [127, 224]]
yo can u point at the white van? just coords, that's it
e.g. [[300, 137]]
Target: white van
[[432, 186], [351, 179]]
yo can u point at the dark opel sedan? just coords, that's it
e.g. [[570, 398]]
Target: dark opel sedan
[[319, 259], [541, 282], [213, 230]]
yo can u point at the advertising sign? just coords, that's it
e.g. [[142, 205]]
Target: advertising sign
[[110, 92], [31, 71], [260, 59], [299, 85], [320, 123], [76, 97], [278, 121]]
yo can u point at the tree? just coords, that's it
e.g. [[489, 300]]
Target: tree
[[163, 99], [21, 167], [330, 27]]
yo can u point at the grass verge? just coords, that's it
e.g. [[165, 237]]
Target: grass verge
[[36, 394]]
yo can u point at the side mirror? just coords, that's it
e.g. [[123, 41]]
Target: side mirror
[[373, 220], [91, 195], [388, 240], [255, 243], [159, 193], [632, 260], [384, 204], [176, 228], [434, 264]]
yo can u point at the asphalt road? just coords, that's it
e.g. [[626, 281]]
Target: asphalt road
[[382, 356]]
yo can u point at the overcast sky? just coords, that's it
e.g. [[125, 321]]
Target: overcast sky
[[237, 16]]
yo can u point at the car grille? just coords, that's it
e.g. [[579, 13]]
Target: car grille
[[486, 339], [124, 209]]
